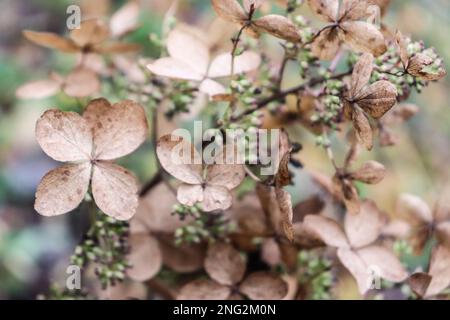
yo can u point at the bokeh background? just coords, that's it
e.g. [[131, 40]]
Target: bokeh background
[[34, 250]]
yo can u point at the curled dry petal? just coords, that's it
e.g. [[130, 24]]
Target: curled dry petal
[[145, 257], [64, 136], [62, 189], [371, 172], [418, 64], [118, 129], [115, 190], [403, 50], [229, 10], [179, 158], [204, 289], [264, 286], [419, 283], [50, 40], [362, 128], [278, 26], [327, 230], [364, 228], [286, 214], [224, 264]]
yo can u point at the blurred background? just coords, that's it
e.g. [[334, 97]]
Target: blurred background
[[34, 251]]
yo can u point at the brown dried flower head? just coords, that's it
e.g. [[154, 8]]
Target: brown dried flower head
[[90, 142]]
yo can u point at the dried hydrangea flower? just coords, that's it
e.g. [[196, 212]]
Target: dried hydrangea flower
[[362, 99], [210, 190], [276, 25], [355, 245], [90, 37], [226, 268], [189, 59], [89, 143], [79, 83], [423, 65], [346, 25]]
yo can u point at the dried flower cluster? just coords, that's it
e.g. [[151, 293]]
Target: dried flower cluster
[[226, 231]]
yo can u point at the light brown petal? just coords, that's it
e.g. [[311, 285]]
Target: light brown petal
[[356, 266], [264, 286], [225, 175], [327, 230], [326, 45], [91, 32], [145, 257], [248, 4], [118, 129], [411, 206], [224, 264], [221, 65], [361, 74], [353, 10], [50, 40], [419, 62], [188, 49], [216, 198], [378, 98], [64, 136], [62, 189], [371, 172], [364, 228], [203, 289], [363, 37], [171, 68], [439, 271], [190, 194], [384, 261], [278, 26], [362, 128], [179, 158], [116, 47], [125, 19], [403, 51], [229, 10], [38, 89], [115, 190], [326, 9], [182, 258], [81, 83]]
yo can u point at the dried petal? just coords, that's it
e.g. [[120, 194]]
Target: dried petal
[[50, 40], [229, 10], [328, 230], [190, 194], [64, 136], [179, 158], [264, 286], [411, 206], [418, 64], [171, 68], [439, 271], [91, 32], [356, 266], [248, 4], [378, 98], [212, 88], [326, 9], [326, 44], [216, 198], [116, 47], [361, 74], [81, 83], [115, 190], [38, 89], [182, 258], [363, 37], [224, 264], [364, 228], [278, 26], [371, 172], [286, 214], [362, 128], [353, 10], [221, 65], [62, 190], [145, 257], [118, 129], [203, 289], [125, 19], [419, 283], [403, 50]]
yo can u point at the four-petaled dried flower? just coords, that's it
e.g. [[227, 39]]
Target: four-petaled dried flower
[[90, 142], [276, 25], [356, 251], [189, 59], [90, 37], [346, 26], [361, 99], [208, 185], [226, 268]]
